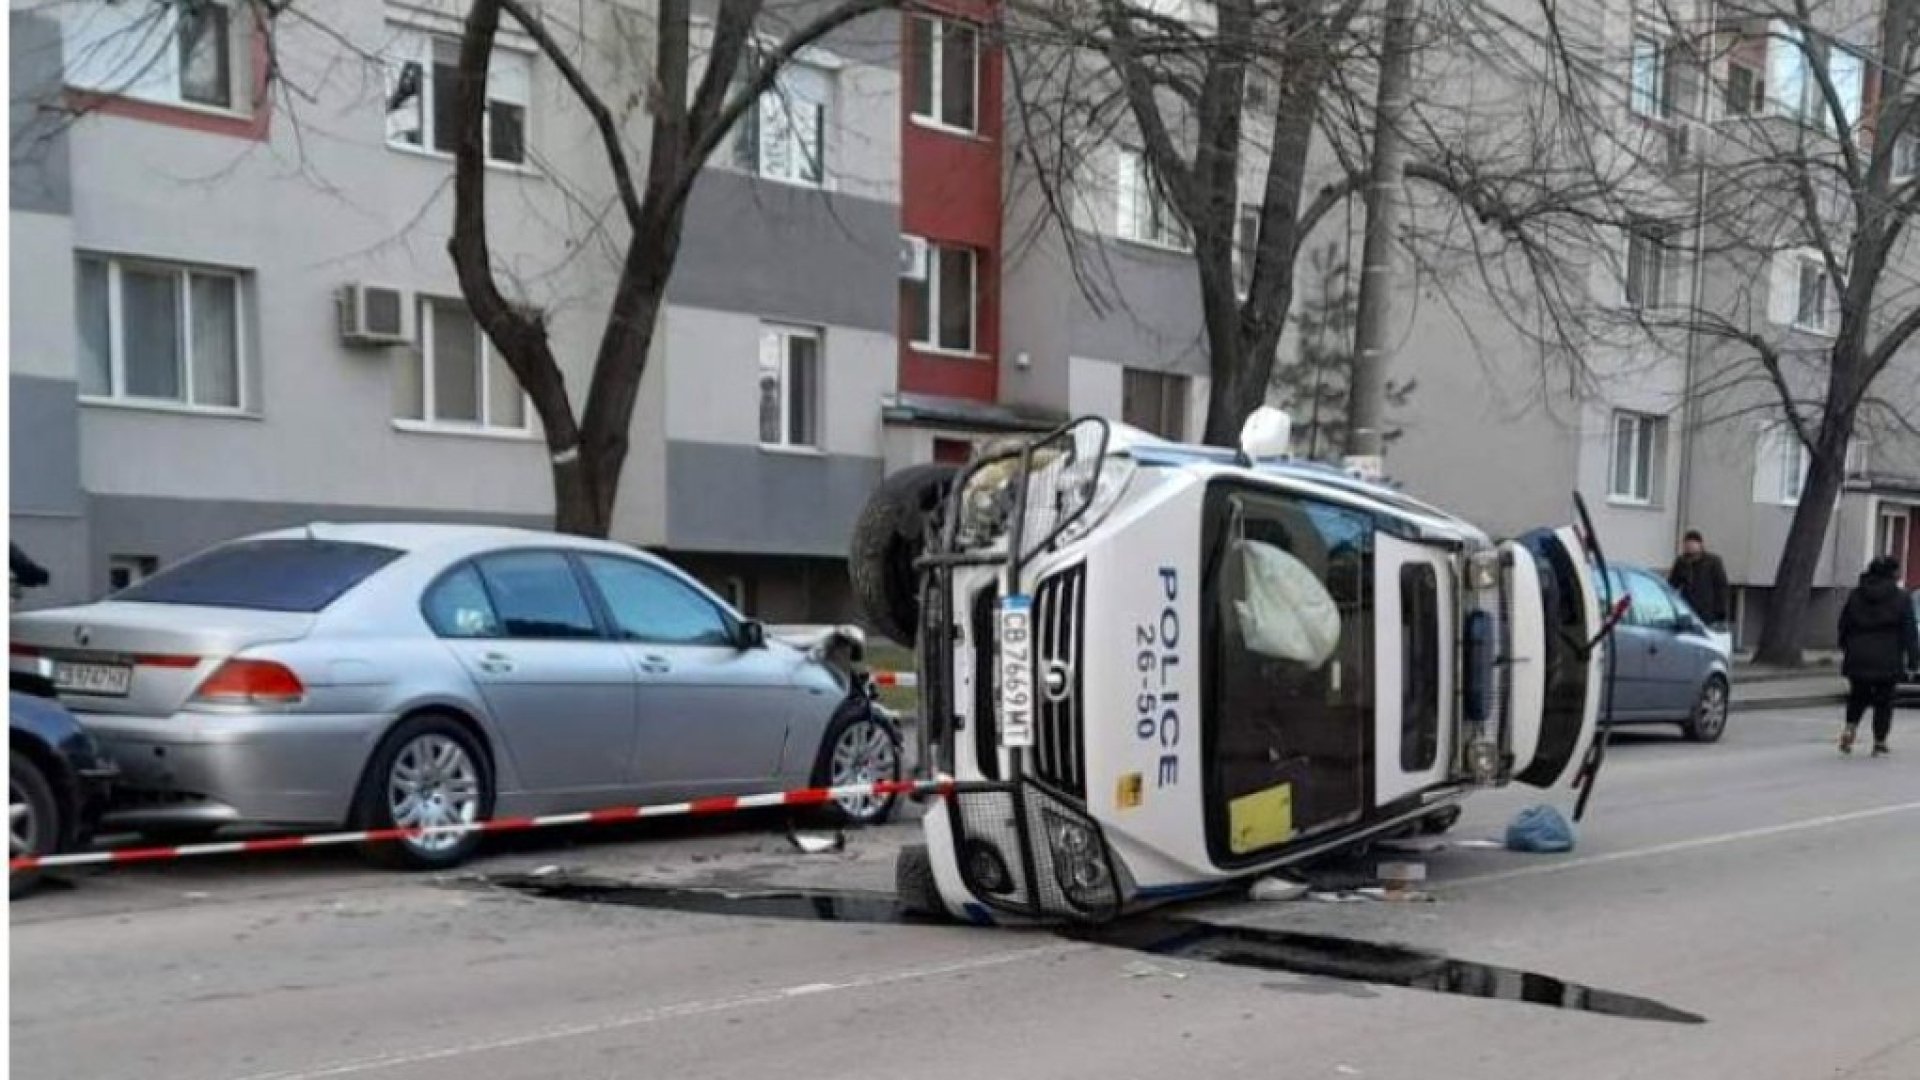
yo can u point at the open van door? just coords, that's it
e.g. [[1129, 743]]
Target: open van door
[[1554, 653]]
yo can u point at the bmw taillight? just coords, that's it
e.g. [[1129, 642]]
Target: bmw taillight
[[251, 682]]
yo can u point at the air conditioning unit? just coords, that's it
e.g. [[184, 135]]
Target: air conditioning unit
[[913, 258], [373, 315]]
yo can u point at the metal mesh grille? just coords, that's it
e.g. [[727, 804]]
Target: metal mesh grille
[[1059, 617], [1021, 825], [1065, 473]]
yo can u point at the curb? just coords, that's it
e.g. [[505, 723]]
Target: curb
[[1800, 701]]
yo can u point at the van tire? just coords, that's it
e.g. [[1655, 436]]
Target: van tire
[[914, 883], [890, 534]]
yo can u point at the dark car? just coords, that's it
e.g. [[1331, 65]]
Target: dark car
[[57, 781], [1668, 667]]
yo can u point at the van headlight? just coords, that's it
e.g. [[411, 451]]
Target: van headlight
[[988, 502], [1080, 863], [1109, 485]]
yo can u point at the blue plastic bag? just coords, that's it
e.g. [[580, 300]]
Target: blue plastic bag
[[1540, 829]]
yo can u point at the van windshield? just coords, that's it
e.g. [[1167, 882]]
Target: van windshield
[[1288, 681], [289, 574]]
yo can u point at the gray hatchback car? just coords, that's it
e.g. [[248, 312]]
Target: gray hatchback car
[[415, 675], [1668, 668]]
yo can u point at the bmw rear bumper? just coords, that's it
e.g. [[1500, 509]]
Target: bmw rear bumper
[[221, 768]]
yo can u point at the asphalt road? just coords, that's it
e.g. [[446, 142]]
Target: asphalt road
[[1765, 884]]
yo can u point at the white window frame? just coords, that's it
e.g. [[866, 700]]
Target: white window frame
[[1638, 435], [1891, 520], [785, 333], [750, 133], [1142, 212], [931, 343], [1829, 306], [1641, 236], [415, 45], [1794, 465], [144, 74], [429, 422], [1796, 94], [116, 347], [936, 63], [1906, 157], [1662, 103]]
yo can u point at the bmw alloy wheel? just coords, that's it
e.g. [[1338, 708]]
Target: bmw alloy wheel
[[864, 754], [1710, 716], [433, 782], [23, 823]]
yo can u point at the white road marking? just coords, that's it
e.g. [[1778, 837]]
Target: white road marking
[[1696, 843], [666, 1012]]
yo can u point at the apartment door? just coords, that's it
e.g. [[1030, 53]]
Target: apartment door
[[1898, 537]]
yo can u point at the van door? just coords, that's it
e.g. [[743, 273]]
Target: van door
[[1415, 634], [1555, 663]]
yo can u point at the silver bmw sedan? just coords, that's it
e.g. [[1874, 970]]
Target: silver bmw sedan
[[414, 675]]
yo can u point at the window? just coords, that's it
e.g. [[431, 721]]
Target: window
[[423, 79], [282, 574], [154, 332], [1746, 90], [1649, 267], [535, 594], [1653, 604], [648, 604], [1906, 157], [1793, 90], [1144, 213], [1639, 441], [1651, 93], [175, 54], [457, 606], [941, 310], [1793, 468], [126, 571], [1813, 296], [783, 137], [1420, 671], [946, 73], [952, 451], [1155, 401], [1246, 247], [454, 378], [789, 386]]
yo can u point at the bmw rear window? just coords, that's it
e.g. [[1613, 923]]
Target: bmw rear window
[[297, 574]]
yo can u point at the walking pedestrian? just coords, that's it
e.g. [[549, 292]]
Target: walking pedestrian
[[1700, 577], [1880, 641]]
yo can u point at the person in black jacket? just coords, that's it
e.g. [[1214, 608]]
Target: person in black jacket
[[1700, 577], [1880, 641]]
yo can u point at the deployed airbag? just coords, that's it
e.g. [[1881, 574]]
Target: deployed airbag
[[1284, 611]]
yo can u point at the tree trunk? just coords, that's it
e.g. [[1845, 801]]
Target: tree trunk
[[1788, 602]]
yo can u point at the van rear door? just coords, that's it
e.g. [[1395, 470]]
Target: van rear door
[[1553, 655]]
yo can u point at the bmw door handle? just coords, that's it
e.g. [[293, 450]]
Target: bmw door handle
[[494, 663], [655, 665]]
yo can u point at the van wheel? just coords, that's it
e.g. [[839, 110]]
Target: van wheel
[[914, 884], [890, 534], [1709, 719], [428, 771]]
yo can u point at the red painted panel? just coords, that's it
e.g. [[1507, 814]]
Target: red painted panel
[[1913, 549], [952, 451], [950, 193]]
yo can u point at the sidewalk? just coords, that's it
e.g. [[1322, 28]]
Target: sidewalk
[[1762, 686]]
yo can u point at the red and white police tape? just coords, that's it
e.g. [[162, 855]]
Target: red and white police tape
[[722, 804], [903, 679]]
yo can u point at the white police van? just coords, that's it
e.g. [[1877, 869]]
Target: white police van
[[1151, 669]]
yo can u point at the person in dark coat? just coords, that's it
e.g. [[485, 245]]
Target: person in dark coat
[[1880, 642], [1700, 577]]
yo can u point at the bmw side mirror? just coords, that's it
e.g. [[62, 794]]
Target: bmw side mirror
[[753, 634]]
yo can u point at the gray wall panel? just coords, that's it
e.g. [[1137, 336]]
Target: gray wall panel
[[38, 140], [747, 500], [43, 437]]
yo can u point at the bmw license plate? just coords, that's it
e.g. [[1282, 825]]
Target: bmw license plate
[[1016, 671], [98, 680]]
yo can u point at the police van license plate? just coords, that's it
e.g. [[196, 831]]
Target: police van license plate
[[1016, 671]]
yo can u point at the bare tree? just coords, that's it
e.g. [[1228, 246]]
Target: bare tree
[[691, 119]]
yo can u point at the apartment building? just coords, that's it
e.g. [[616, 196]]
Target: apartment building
[[233, 308]]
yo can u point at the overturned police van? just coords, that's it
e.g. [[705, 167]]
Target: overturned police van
[[1150, 669]]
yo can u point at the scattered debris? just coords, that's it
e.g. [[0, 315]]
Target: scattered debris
[[1395, 894], [1275, 888], [1336, 896], [1140, 969], [548, 870], [817, 844], [1541, 830]]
